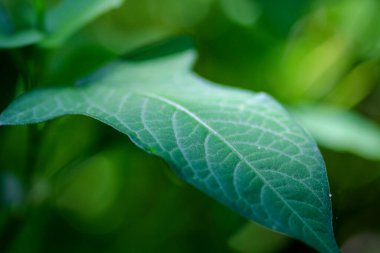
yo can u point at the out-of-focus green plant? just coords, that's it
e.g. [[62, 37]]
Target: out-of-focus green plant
[[77, 180]]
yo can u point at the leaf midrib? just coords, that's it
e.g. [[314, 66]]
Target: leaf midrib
[[215, 133]]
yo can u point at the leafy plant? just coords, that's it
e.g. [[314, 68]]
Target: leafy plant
[[242, 148]]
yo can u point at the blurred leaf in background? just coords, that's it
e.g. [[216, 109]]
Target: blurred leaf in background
[[341, 130]]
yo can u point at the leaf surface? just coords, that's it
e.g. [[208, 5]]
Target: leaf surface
[[20, 39], [239, 147]]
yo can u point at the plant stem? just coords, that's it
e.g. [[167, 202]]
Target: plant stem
[[39, 6], [24, 59]]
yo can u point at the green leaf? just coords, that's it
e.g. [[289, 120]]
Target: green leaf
[[243, 12], [20, 39], [70, 15], [241, 148], [340, 129]]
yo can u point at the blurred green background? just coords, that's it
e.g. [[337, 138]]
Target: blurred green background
[[76, 185]]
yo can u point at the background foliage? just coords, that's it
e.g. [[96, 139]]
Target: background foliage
[[83, 187]]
